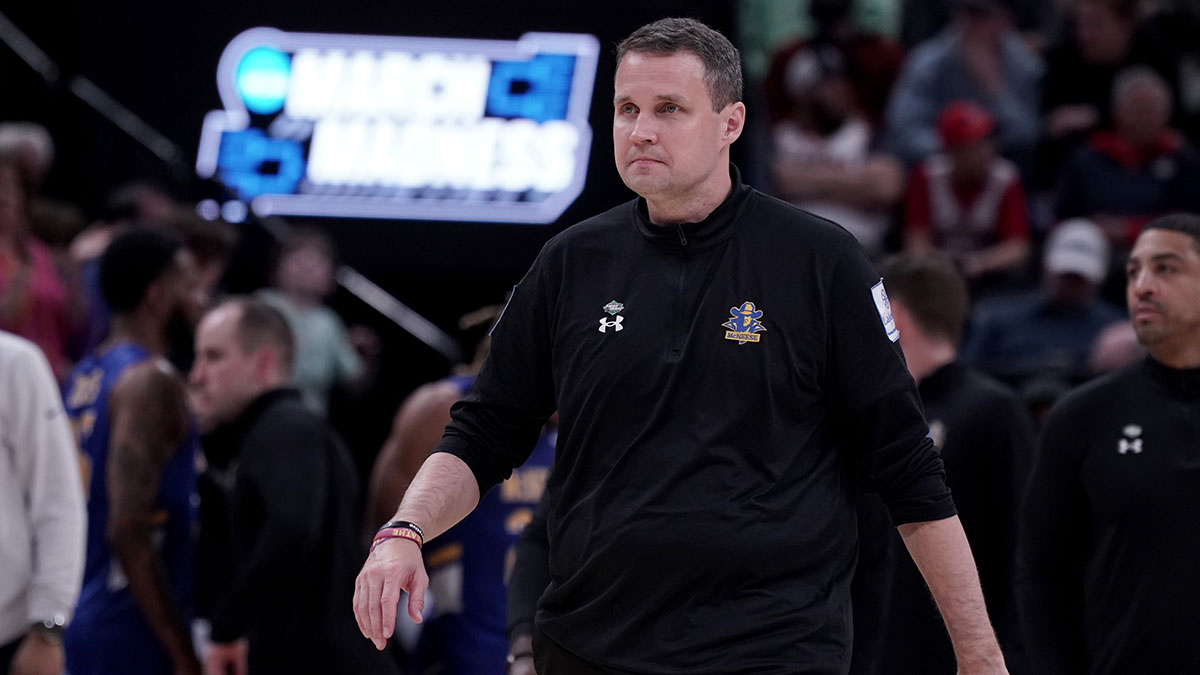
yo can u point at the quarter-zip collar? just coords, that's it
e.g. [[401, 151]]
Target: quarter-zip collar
[[699, 236], [1184, 383]]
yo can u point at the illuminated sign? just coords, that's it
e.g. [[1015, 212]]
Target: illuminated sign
[[403, 127]]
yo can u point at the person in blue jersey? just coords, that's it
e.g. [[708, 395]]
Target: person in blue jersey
[[293, 500], [139, 455], [469, 566]]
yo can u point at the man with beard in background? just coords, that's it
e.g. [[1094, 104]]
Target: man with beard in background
[[126, 403]]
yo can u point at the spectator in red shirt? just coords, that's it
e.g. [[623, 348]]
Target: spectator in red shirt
[[34, 299], [968, 202]]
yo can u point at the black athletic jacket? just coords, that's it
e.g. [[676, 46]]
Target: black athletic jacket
[[723, 387], [1110, 534]]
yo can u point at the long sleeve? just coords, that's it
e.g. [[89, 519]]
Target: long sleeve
[[496, 426], [1051, 550], [876, 400], [49, 470]]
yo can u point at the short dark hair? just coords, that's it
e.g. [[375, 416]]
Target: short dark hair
[[131, 263], [931, 289], [722, 63], [261, 325], [1185, 223]]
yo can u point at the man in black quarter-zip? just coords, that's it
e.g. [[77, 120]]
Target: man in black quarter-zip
[[726, 373], [1109, 541]]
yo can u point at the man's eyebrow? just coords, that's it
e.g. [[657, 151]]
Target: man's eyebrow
[[1157, 257], [680, 98]]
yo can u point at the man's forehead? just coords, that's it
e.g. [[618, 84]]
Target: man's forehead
[[1158, 242]]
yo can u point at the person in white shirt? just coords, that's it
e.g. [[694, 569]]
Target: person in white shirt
[[42, 517]]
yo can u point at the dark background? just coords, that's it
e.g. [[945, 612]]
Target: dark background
[[159, 59]]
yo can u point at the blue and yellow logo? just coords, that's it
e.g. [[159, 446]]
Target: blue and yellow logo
[[744, 323]]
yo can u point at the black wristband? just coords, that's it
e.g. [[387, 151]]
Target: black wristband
[[403, 524]]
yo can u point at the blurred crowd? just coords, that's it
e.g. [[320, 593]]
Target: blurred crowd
[[1025, 143]]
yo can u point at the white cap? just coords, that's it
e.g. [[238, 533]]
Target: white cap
[[1077, 246]]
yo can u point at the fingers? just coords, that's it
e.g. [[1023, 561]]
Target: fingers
[[360, 600], [378, 586], [374, 609], [416, 594], [388, 599]]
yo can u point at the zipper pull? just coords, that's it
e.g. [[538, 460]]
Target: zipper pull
[[682, 236]]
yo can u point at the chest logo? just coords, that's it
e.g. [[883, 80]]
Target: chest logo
[[613, 308], [744, 324], [1132, 442]]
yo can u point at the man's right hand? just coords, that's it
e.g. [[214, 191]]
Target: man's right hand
[[394, 566]]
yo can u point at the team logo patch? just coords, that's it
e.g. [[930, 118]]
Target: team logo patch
[[884, 307], [744, 324]]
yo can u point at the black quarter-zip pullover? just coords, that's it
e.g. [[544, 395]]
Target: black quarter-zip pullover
[[722, 388]]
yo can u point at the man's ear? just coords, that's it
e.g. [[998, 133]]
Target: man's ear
[[734, 119], [266, 363]]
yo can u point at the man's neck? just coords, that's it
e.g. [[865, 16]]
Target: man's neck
[[694, 207], [139, 329], [926, 356], [1185, 356]]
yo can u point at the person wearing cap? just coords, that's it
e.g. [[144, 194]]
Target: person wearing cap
[[981, 58], [824, 161], [1108, 541], [1048, 331], [968, 202]]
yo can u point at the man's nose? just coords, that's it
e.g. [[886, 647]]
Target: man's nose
[[644, 130], [1141, 284]]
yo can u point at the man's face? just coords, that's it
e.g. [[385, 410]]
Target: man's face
[[1163, 290], [1142, 113], [973, 163], [982, 26], [307, 270], [224, 378], [189, 296], [667, 140], [1102, 35]]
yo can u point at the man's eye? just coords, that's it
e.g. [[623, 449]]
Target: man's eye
[[671, 108]]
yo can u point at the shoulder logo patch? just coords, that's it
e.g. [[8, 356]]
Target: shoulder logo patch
[[884, 307], [744, 324]]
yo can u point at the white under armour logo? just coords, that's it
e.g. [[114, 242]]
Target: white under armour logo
[[1132, 441], [1127, 445], [615, 324]]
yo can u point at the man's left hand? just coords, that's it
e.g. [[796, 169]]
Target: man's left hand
[[36, 656], [227, 658]]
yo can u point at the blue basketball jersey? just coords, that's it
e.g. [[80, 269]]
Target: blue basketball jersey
[[469, 567], [108, 633]]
